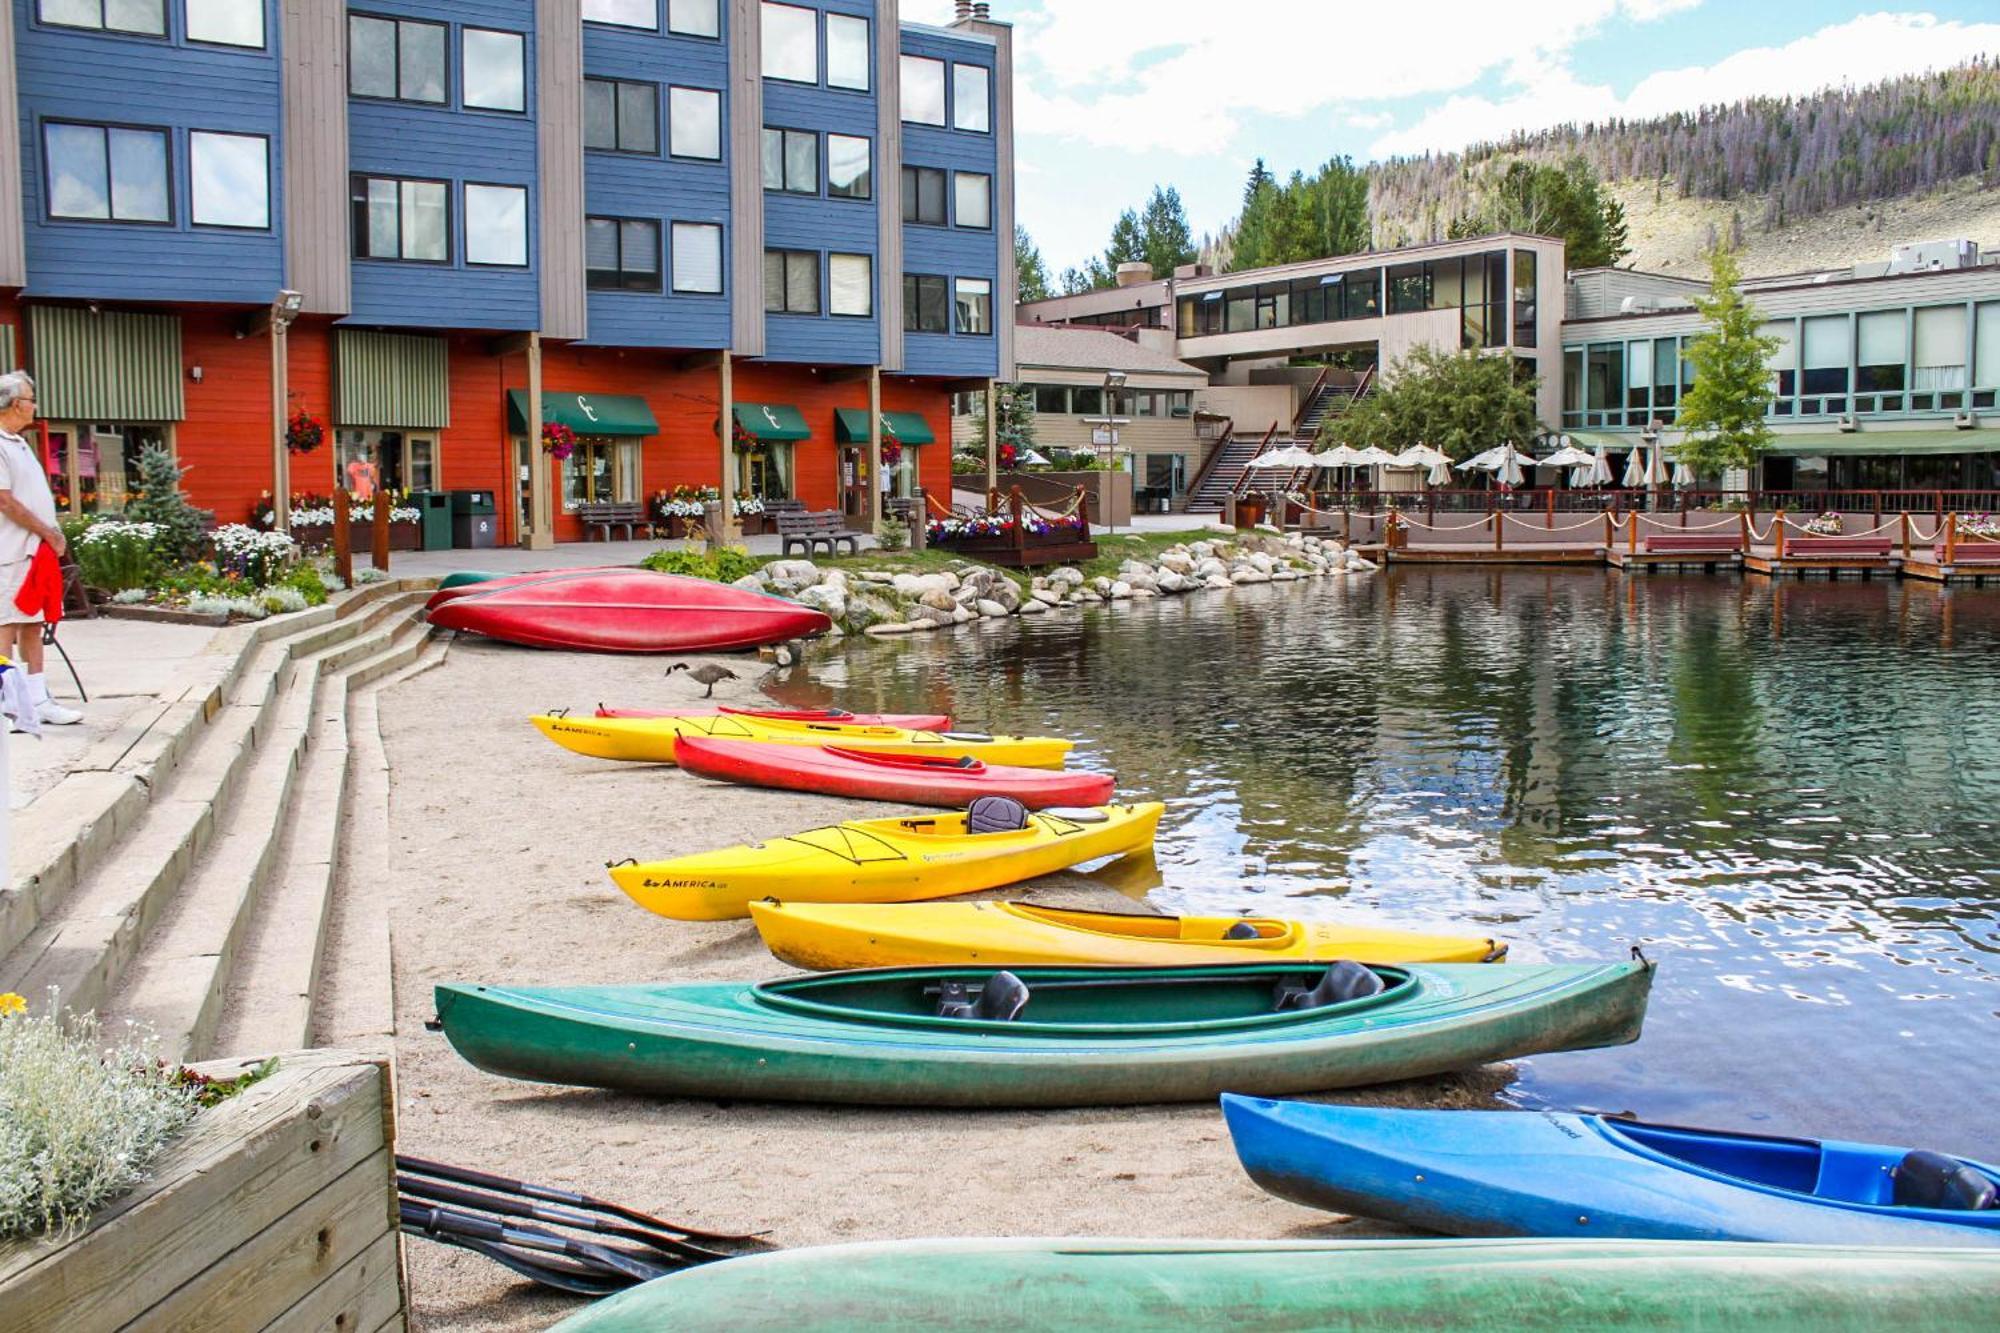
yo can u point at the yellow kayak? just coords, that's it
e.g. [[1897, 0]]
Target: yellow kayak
[[651, 739], [827, 937], [884, 861]]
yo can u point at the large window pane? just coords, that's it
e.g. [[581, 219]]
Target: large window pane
[[496, 225], [230, 179], [694, 122], [850, 285], [79, 174], [371, 57], [926, 303], [1986, 345], [384, 220], [1524, 298], [847, 170], [142, 16], [791, 43], [139, 176], [600, 250], [971, 93], [1939, 362], [226, 22], [1606, 389], [1881, 345], [846, 52], [697, 257], [694, 18], [73, 13], [973, 300], [495, 70], [771, 158], [425, 221], [600, 114], [624, 13], [638, 118], [802, 282], [801, 162], [639, 252], [923, 90], [923, 195], [1825, 353], [420, 57], [974, 200]]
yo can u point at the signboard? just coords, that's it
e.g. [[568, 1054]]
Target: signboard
[[1102, 435]]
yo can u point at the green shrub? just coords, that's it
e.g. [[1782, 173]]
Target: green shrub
[[724, 565], [895, 534], [183, 528], [308, 582], [117, 555]]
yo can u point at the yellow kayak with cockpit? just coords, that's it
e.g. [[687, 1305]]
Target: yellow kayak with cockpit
[[828, 937], [651, 739]]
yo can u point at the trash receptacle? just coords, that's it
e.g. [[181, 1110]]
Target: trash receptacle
[[475, 520], [433, 518]]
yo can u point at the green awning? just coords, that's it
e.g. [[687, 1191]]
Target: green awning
[[1831, 443], [772, 421], [586, 413], [850, 426]]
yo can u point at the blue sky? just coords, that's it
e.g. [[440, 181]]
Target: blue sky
[[1113, 97]]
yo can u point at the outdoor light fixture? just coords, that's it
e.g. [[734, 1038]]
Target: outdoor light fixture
[[194, 373], [288, 304]]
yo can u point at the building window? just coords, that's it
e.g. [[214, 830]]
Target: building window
[[1881, 347], [1783, 363], [621, 254], [1604, 385], [847, 167], [923, 90], [1524, 298], [972, 298], [1409, 289], [1051, 399], [223, 22], [1939, 363], [621, 117], [847, 52], [1825, 354], [974, 199], [401, 461], [694, 123], [495, 69], [971, 91], [850, 285], [692, 18], [923, 196], [106, 175], [791, 161], [927, 303], [623, 13], [791, 282], [399, 59], [791, 43], [697, 257], [148, 17], [229, 179], [496, 225], [402, 219]]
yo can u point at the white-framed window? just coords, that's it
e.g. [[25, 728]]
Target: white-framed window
[[694, 18], [401, 60], [226, 22], [621, 254], [971, 98], [403, 461], [847, 52], [972, 299], [494, 67], [791, 282], [972, 199], [229, 180], [791, 161], [850, 285], [400, 218], [923, 90], [791, 43], [848, 171], [694, 123], [621, 117], [496, 225], [146, 17], [106, 173], [623, 13], [698, 257]]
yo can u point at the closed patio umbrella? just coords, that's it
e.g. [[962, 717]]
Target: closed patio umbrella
[[1600, 468], [1656, 468], [1635, 469], [1684, 478], [1509, 471]]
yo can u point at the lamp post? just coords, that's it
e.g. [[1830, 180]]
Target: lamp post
[[1114, 380]]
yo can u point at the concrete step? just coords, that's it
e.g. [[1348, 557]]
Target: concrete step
[[180, 974]]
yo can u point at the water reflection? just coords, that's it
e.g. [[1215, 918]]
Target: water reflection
[[1787, 792]]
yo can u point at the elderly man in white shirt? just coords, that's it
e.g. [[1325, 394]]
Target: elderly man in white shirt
[[27, 522]]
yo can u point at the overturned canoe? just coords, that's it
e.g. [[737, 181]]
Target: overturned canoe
[[651, 739], [908, 779], [1042, 1036], [829, 936], [1505, 1286], [904, 859], [910, 721], [1504, 1173], [623, 611]]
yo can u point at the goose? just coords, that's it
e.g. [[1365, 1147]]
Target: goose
[[709, 675]]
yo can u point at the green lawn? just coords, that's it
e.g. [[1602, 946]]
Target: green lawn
[[1111, 552]]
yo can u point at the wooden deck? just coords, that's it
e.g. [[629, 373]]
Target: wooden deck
[[1648, 561], [1922, 563], [1546, 553], [1766, 560]]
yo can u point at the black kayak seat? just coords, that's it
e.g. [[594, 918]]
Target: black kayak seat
[[1933, 1180], [1343, 981], [1001, 999], [996, 814], [965, 761], [1242, 930]]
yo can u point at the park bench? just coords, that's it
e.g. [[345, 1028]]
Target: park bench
[[1812, 547], [814, 528], [1695, 543], [1970, 551], [607, 515]]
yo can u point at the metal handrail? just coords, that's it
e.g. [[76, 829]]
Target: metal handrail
[[1220, 447], [1241, 488]]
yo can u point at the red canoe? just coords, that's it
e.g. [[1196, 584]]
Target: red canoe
[[626, 611], [907, 779], [458, 590], [907, 721]]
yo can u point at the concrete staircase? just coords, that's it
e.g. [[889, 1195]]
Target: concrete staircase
[[189, 869]]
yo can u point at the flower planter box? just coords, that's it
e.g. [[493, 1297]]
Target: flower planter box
[[277, 1206], [1062, 547], [754, 525]]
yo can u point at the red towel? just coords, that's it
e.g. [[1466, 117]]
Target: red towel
[[42, 590]]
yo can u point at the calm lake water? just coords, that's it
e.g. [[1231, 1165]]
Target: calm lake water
[[1787, 794]]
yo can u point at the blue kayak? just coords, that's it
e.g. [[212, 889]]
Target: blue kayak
[[1514, 1173]]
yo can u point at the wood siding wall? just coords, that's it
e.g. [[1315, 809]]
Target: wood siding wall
[[559, 79], [313, 39], [746, 185], [889, 179], [13, 249]]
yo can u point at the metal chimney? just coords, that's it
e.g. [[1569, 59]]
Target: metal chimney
[[964, 8], [980, 10]]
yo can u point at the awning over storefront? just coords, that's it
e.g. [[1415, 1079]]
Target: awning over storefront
[[772, 421], [850, 426], [585, 413], [400, 381], [113, 365]]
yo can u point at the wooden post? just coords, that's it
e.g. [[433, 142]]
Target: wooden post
[[1346, 525], [379, 541], [281, 457], [725, 514], [1778, 531], [1499, 520], [1551, 497], [1743, 520], [343, 538], [1632, 533], [875, 477], [541, 503], [992, 437], [1014, 503], [1951, 537], [1905, 517]]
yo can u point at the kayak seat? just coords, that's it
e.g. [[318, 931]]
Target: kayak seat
[[1242, 930], [1933, 1180], [996, 814], [965, 761], [1343, 981], [1001, 999]]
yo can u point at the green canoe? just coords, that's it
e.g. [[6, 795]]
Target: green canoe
[[1503, 1285], [465, 576], [1087, 1035]]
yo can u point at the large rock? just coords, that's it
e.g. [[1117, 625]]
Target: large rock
[[865, 610], [1046, 597], [1216, 581], [1066, 576], [914, 586], [938, 599], [1005, 593], [1034, 608], [888, 627], [826, 597], [1180, 562], [1260, 562], [1209, 567], [800, 573], [749, 583], [1170, 581], [1245, 574], [1120, 591], [989, 608]]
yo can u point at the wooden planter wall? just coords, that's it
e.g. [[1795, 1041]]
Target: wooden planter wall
[[275, 1209]]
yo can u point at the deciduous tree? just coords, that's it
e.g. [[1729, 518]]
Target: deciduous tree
[[1723, 412], [1460, 402]]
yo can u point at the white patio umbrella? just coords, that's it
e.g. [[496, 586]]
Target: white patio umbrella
[[1635, 469], [1684, 478], [1509, 471], [1600, 469], [1656, 468], [1034, 458], [1440, 473], [1482, 462], [1567, 456], [1338, 456]]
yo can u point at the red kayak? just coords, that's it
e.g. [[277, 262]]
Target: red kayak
[[625, 611], [907, 721], [484, 584], [907, 779]]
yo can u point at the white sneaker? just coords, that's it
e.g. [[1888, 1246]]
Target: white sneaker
[[53, 714]]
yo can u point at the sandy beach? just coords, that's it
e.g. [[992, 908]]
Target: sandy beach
[[498, 846]]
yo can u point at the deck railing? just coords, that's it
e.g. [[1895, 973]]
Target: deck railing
[[1565, 500]]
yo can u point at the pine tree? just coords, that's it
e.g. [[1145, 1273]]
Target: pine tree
[[1723, 412], [161, 501], [1031, 275], [1460, 402], [1165, 240]]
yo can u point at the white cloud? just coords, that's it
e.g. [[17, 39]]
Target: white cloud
[[1865, 50], [1369, 120]]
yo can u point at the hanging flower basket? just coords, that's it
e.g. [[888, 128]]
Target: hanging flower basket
[[892, 452], [303, 433], [558, 440]]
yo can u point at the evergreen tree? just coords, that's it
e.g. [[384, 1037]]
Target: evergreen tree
[[1460, 402], [161, 501], [1165, 240], [1128, 246], [1544, 199], [1075, 281], [1723, 412], [1017, 418], [1031, 275]]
